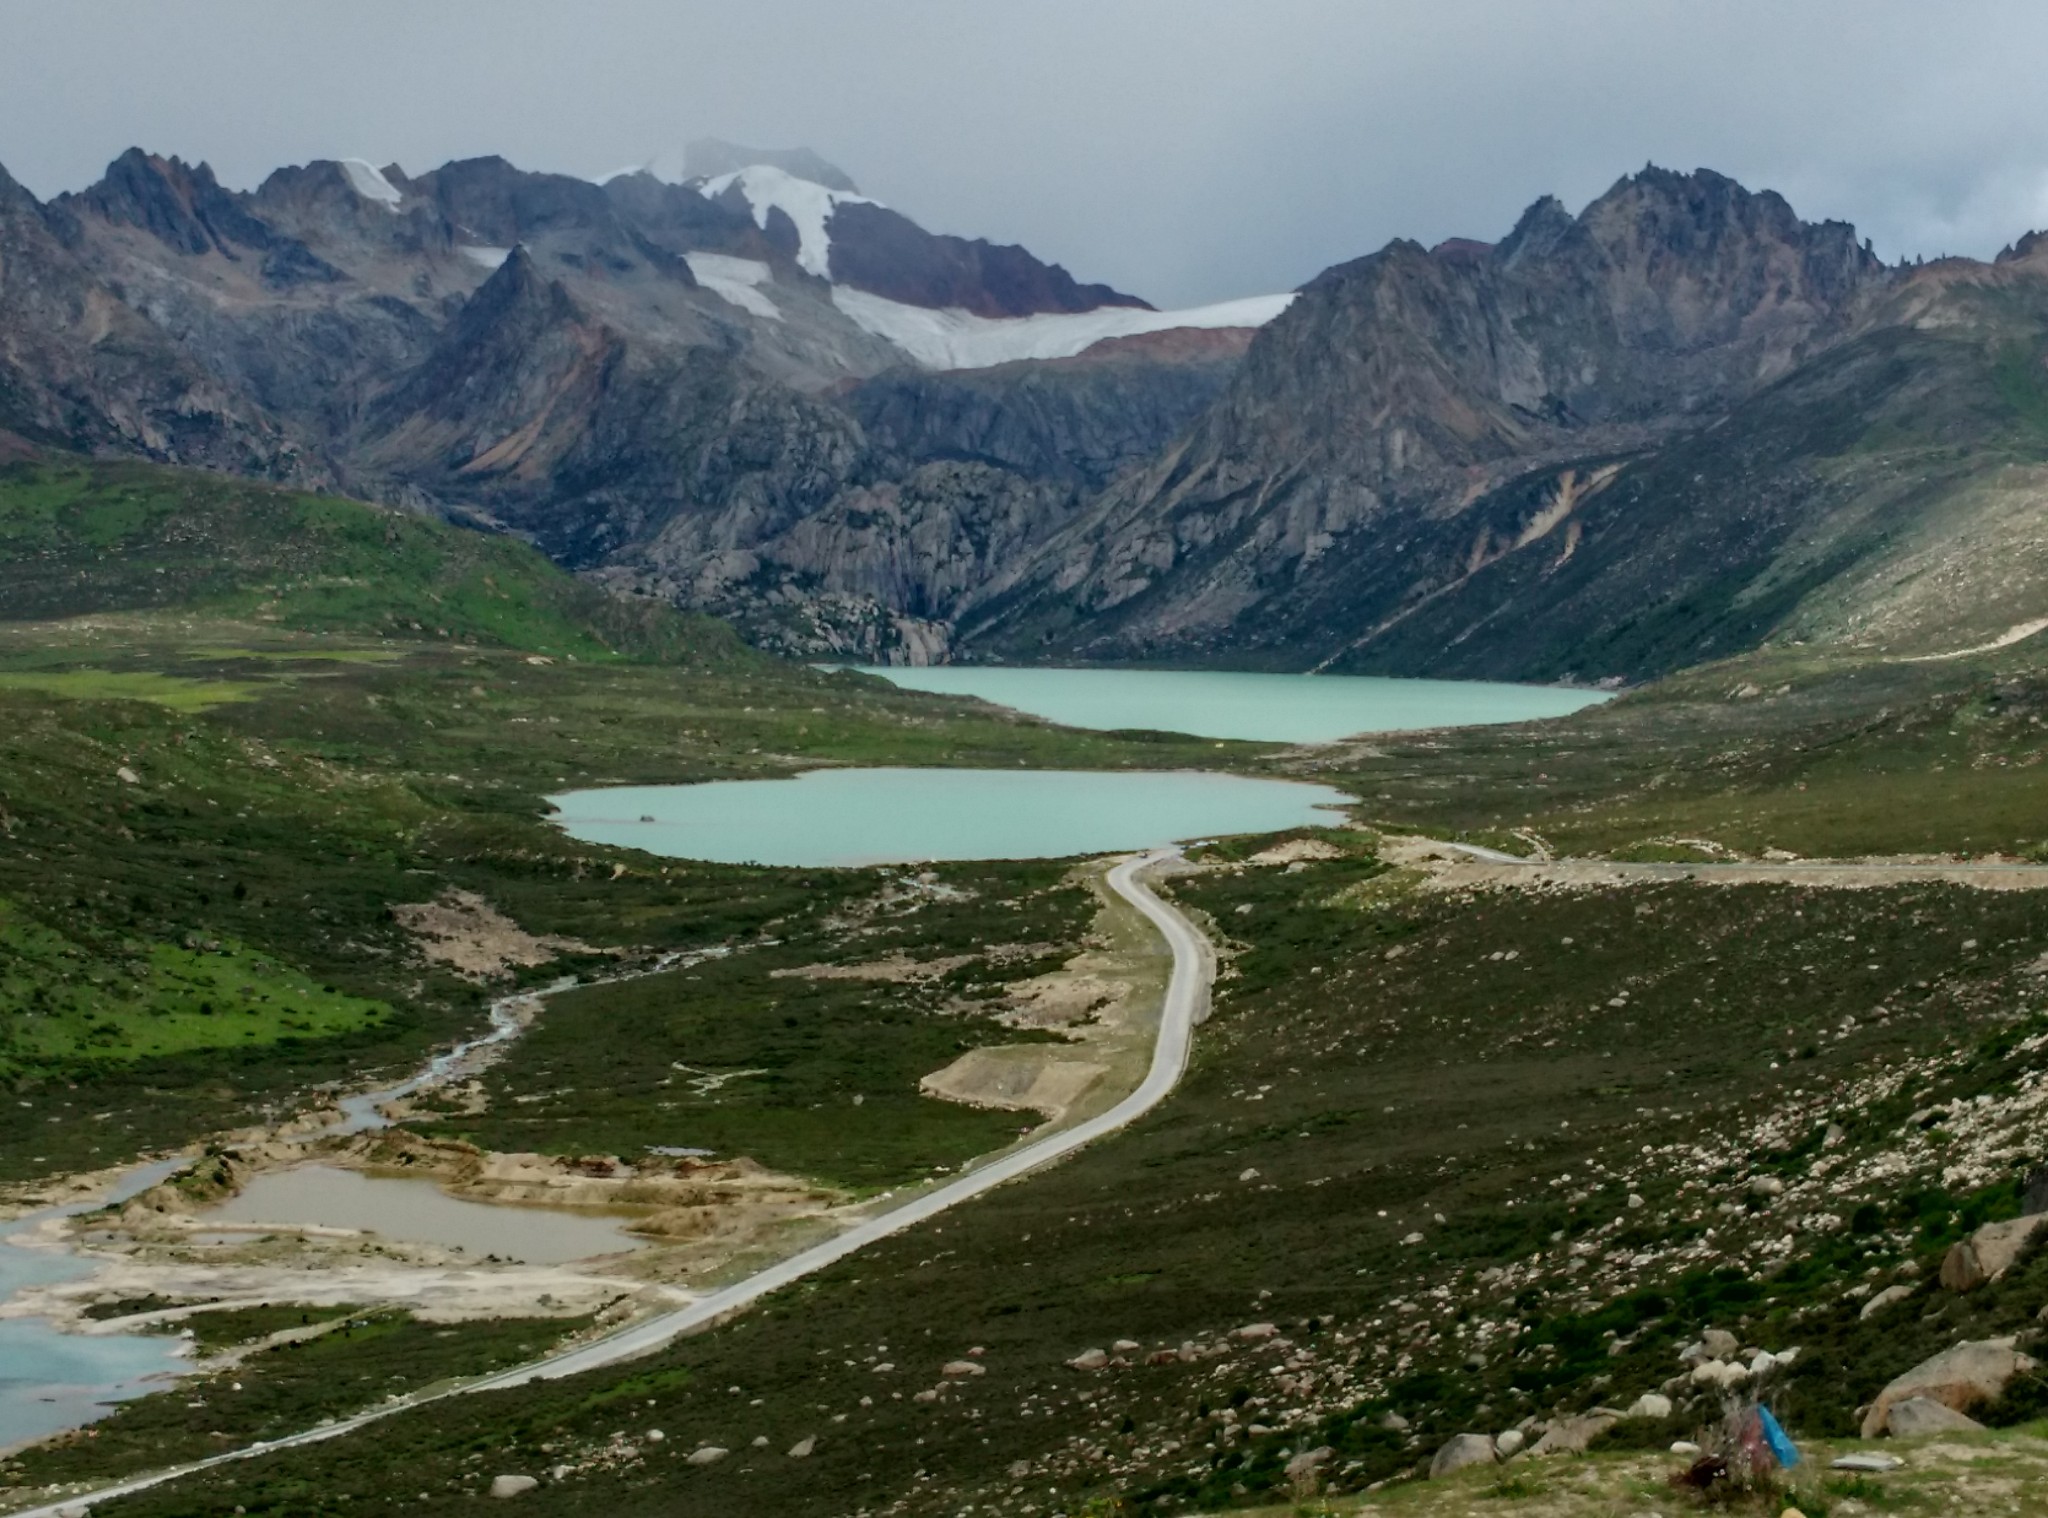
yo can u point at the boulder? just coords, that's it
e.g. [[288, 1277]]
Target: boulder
[[1650, 1405], [1251, 1333], [512, 1486], [1884, 1299], [1918, 1417], [1570, 1436], [1719, 1344], [1724, 1374], [1089, 1359], [963, 1368], [1306, 1464], [1960, 1378], [1394, 1421], [1463, 1450], [801, 1450], [1508, 1443], [1988, 1253], [710, 1454]]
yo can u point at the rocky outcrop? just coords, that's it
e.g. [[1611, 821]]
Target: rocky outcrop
[[1077, 421], [1966, 1376], [1989, 1253], [886, 253]]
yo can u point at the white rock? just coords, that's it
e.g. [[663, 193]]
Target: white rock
[[964, 1368], [1508, 1442], [1650, 1405], [760, 1441], [1884, 1299], [1254, 1331], [512, 1486], [1090, 1359], [1684, 1447], [801, 1450], [655, 1436], [710, 1454]]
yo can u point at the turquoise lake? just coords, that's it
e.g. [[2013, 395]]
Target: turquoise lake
[[51, 1380], [905, 816], [1273, 708]]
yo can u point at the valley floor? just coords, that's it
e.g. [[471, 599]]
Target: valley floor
[[1751, 1042]]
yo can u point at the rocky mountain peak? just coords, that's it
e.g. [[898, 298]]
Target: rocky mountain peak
[[1538, 233], [181, 205]]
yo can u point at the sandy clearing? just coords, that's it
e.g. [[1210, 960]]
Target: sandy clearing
[[1297, 850], [1014, 1077], [465, 932], [445, 1294]]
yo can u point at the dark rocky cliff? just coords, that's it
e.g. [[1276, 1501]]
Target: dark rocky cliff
[[1406, 388]]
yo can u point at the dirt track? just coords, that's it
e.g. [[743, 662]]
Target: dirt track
[[1452, 866]]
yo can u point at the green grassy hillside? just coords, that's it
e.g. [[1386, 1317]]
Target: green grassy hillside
[[238, 726], [78, 539]]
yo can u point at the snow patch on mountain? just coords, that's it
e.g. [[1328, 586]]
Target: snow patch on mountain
[[369, 182], [735, 280], [956, 339], [809, 206], [489, 258]]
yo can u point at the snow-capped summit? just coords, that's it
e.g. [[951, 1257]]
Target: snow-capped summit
[[709, 157]]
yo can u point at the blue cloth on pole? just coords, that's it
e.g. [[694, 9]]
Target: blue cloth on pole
[[1781, 1445]]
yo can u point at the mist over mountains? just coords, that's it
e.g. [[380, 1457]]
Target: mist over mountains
[[1675, 425]]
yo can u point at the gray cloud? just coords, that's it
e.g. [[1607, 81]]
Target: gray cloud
[[1188, 151]]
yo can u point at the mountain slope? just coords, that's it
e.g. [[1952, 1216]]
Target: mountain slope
[[80, 368], [1605, 447], [660, 381]]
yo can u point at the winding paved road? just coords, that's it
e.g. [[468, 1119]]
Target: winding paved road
[[1186, 1004]]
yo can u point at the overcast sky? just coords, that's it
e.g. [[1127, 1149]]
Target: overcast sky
[[1186, 150]]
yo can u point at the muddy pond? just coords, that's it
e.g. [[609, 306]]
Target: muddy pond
[[409, 1210]]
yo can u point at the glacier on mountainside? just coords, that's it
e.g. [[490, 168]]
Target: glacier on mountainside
[[735, 280], [809, 206], [956, 339], [368, 181]]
